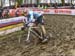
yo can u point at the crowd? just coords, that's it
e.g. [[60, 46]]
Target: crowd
[[15, 12], [8, 13]]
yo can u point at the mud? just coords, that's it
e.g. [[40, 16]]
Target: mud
[[61, 29]]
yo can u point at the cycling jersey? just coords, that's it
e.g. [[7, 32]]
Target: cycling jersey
[[33, 15]]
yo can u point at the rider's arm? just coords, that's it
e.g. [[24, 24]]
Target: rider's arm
[[31, 17]]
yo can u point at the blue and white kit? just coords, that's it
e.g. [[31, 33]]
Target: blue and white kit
[[34, 17]]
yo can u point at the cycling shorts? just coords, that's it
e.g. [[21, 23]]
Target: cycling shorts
[[40, 20]]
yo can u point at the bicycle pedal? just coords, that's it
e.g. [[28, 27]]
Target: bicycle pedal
[[45, 40], [27, 41], [41, 38]]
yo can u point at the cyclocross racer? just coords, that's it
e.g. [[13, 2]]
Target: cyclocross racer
[[36, 18]]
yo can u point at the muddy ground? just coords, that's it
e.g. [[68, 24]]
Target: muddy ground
[[62, 40]]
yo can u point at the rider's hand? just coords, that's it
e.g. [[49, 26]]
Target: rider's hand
[[33, 20], [31, 24]]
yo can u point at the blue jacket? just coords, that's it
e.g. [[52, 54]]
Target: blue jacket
[[33, 15]]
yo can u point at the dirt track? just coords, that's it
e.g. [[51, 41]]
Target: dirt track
[[62, 41]]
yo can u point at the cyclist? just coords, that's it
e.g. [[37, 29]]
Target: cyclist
[[36, 18]]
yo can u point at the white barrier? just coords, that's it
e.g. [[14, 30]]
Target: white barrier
[[11, 19], [8, 21]]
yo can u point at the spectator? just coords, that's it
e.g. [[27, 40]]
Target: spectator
[[7, 13], [72, 6], [1, 11], [55, 6], [17, 13]]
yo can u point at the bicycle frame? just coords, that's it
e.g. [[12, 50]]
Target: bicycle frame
[[32, 31]]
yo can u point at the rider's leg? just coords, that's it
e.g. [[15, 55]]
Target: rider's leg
[[43, 30], [45, 37], [41, 21], [34, 29]]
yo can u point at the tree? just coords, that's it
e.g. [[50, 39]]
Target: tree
[[19, 2], [71, 2], [63, 2]]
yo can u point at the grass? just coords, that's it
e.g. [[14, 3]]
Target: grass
[[14, 34]]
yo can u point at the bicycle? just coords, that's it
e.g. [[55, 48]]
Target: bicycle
[[31, 32]]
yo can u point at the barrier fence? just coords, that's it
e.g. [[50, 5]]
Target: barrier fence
[[10, 25]]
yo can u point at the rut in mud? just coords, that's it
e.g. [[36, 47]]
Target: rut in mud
[[62, 41]]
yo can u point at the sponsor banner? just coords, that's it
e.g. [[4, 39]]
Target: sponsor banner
[[11, 21], [57, 11], [46, 11], [62, 11]]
